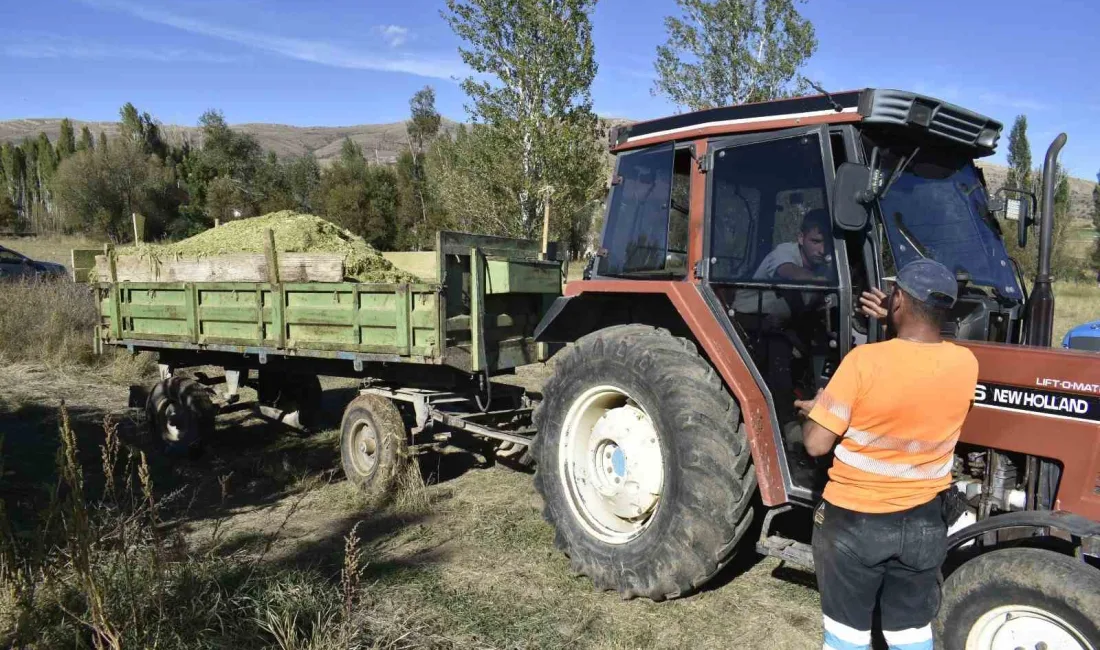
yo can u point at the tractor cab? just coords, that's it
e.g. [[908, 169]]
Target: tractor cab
[[784, 212]]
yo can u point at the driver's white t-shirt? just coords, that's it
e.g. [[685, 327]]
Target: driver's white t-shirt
[[749, 301]]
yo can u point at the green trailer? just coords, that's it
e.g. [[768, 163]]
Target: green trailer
[[425, 351]]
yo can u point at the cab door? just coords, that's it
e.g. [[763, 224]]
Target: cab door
[[779, 271]]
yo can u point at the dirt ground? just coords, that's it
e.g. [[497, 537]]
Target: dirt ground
[[468, 552]]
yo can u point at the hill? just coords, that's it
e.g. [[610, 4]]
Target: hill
[[381, 143]]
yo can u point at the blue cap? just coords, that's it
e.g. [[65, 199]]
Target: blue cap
[[929, 282]]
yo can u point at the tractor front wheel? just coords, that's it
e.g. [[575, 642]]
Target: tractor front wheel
[[641, 463]]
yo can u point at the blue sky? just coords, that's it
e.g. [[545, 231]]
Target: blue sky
[[338, 62]]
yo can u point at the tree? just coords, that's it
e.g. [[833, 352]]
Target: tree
[[360, 197], [102, 141], [66, 142], [1019, 156], [86, 141], [99, 190], [9, 216], [412, 210], [143, 130], [723, 52], [303, 178], [535, 62]]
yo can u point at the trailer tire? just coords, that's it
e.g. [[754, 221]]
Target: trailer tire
[[373, 445], [702, 509], [292, 392], [180, 414], [1036, 594]]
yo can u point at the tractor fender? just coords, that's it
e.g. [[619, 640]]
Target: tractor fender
[[1060, 520]]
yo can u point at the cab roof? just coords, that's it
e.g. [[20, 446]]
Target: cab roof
[[938, 118]]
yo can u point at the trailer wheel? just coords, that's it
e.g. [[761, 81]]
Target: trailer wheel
[[642, 466], [1021, 598], [180, 414], [373, 444], [292, 392]]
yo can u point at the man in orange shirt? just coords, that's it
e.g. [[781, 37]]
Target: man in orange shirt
[[896, 409]]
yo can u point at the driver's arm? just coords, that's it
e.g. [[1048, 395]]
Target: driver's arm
[[790, 271]]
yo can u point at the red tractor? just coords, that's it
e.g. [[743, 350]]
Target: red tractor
[[667, 432]]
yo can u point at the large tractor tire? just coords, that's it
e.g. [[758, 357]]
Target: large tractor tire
[[1021, 598], [641, 463], [180, 414], [373, 445], [298, 395]]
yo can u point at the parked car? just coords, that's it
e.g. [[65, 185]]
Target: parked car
[[1083, 337], [16, 265]]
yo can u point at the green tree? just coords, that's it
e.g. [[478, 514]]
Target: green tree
[[1019, 156], [303, 178], [723, 52], [66, 142], [9, 216], [412, 210], [360, 197], [535, 62], [473, 180], [143, 130], [86, 141], [102, 140], [99, 190]]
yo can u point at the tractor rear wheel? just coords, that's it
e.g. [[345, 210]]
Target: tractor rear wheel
[[1021, 598], [641, 463]]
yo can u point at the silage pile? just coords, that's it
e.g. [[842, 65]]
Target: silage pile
[[295, 232]]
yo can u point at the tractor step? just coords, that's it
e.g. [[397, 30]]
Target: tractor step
[[786, 549]]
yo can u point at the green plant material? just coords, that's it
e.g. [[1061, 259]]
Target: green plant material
[[294, 233]]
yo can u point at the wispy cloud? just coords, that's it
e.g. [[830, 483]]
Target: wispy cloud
[[313, 51], [1008, 101], [394, 35], [68, 49]]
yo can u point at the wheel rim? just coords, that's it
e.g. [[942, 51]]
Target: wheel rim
[[1019, 626], [610, 464], [172, 422], [364, 441]]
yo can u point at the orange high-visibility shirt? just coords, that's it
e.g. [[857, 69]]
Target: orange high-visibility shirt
[[898, 407]]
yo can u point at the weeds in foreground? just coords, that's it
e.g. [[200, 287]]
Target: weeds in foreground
[[108, 575]]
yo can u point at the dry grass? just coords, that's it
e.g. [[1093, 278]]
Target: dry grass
[[1074, 303], [53, 322]]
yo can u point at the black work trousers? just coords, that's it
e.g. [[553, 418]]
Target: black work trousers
[[890, 560]]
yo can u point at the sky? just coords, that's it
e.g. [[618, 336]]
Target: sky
[[343, 62]]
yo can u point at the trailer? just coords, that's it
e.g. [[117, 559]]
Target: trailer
[[425, 352]]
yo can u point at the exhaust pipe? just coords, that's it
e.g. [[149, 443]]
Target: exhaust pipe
[[1040, 309]]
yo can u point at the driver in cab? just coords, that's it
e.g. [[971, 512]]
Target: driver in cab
[[767, 315], [804, 260]]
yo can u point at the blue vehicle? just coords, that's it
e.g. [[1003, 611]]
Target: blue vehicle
[[1083, 337]]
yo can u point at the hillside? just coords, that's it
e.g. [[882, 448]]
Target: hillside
[[380, 142]]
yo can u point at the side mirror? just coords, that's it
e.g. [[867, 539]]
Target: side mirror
[[850, 212], [1016, 205]]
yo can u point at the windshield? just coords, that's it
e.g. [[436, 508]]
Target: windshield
[[937, 208]]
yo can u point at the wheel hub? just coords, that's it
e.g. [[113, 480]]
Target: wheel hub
[[611, 464], [365, 443], [1019, 626], [627, 461]]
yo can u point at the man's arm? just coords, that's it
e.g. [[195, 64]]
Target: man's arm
[[818, 440], [791, 271]]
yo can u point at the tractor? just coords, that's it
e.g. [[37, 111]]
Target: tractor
[[667, 439]]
